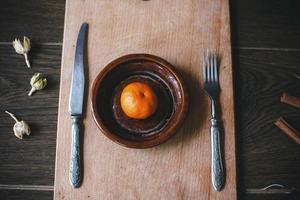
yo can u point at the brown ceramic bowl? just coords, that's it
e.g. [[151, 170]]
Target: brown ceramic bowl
[[168, 86]]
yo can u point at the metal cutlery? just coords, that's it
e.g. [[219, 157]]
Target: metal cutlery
[[212, 89], [76, 102]]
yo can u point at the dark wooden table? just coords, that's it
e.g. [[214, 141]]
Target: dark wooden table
[[266, 53]]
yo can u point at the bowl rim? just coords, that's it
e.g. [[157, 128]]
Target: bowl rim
[[161, 138]]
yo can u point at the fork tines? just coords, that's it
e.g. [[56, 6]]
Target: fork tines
[[210, 68]]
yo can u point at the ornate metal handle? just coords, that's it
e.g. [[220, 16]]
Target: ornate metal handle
[[217, 173], [75, 164]]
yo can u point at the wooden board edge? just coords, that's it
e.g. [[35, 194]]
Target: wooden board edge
[[59, 100]]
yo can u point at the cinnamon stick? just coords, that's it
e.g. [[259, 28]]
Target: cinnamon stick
[[291, 100], [288, 130]]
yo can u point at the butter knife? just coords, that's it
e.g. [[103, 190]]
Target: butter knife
[[76, 102]]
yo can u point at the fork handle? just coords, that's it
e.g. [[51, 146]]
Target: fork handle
[[217, 173]]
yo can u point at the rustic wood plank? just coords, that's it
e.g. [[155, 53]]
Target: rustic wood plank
[[276, 26], [179, 169], [28, 161], [271, 197], [40, 20], [266, 24], [25, 195], [266, 155], [258, 156]]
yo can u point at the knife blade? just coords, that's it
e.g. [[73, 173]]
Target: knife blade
[[76, 102]]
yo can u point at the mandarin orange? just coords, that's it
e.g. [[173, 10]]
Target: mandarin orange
[[138, 100]]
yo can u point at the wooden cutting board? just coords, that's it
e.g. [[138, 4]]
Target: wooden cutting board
[[178, 31]]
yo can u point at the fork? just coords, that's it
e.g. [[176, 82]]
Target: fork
[[212, 89]]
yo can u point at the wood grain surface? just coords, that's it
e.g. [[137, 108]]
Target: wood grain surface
[[42, 21], [259, 39], [26, 195], [28, 161], [262, 76], [178, 32], [266, 24]]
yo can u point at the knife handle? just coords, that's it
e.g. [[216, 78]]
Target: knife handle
[[75, 164], [217, 172]]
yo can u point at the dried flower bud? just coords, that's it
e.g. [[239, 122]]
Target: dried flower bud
[[23, 48], [26, 44], [35, 78], [18, 46], [37, 82], [20, 127]]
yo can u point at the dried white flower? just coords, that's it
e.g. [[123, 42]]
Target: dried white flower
[[20, 127], [23, 48], [37, 82]]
